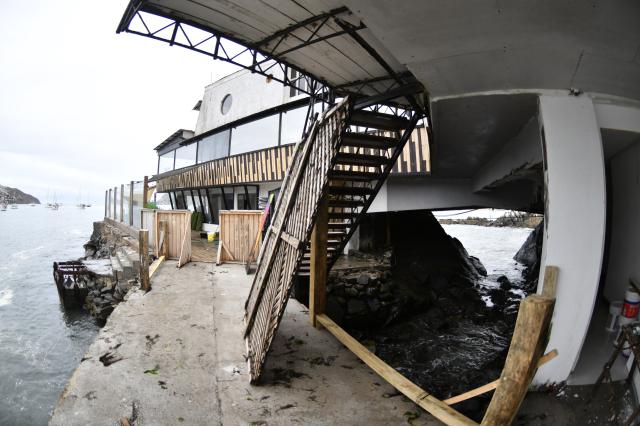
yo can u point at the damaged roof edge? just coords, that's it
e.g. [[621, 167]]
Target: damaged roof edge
[[132, 8]]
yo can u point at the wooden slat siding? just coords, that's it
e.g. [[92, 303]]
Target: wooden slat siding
[[177, 221], [271, 165]]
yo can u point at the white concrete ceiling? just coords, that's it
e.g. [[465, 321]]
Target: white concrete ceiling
[[457, 46]]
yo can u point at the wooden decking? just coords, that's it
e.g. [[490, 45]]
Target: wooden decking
[[203, 250]]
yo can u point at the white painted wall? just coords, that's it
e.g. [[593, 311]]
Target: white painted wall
[[624, 254], [419, 193], [574, 223], [251, 93]]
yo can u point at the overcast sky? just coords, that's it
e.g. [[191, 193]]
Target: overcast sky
[[82, 107]]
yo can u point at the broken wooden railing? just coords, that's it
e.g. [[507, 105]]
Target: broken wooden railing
[[525, 355]]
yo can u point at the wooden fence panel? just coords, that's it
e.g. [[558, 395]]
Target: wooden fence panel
[[178, 238], [238, 232]]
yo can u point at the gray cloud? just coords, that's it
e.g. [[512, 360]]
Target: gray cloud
[[81, 108]]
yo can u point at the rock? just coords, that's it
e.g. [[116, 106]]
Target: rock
[[356, 307], [374, 304], [529, 253], [363, 279], [334, 310], [351, 291], [505, 284], [479, 267]]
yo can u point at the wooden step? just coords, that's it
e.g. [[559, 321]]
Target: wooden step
[[342, 203], [350, 190], [353, 175], [361, 159], [342, 215], [365, 140], [339, 225], [378, 121], [337, 234]]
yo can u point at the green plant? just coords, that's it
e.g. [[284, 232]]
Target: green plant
[[151, 205]]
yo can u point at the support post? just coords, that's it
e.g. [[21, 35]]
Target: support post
[[145, 191], [131, 204], [122, 203], [164, 245], [106, 203], [115, 205], [143, 244], [109, 204], [529, 340], [318, 267]]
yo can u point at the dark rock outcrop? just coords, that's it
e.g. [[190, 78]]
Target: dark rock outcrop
[[530, 255], [15, 196]]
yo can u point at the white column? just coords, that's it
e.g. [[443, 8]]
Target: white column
[[574, 222]]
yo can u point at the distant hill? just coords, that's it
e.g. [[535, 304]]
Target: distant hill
[[15, 196]]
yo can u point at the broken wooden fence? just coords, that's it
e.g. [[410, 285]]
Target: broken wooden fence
[[238, 231], [175, 242], [284, 244]]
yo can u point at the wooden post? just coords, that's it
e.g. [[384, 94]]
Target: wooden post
[[145, 191], [109, 204], [143, 244], [318, 267], [106, 204], [122, 203], [131, 204], [527, 344], [164, 239]]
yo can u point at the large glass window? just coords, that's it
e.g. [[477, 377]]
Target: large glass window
[[205, 206], [186, 156], [214, 146], [228, 198], [165, 162], [292, 125], [216, 200], [255, 135], [247, 197], [180, 203], [189, 200]]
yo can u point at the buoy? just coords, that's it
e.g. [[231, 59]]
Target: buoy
[[631, 303]]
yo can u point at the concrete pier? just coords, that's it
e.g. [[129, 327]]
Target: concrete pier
[[176, 356]]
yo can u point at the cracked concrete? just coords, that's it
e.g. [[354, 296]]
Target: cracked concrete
[[177, 357]]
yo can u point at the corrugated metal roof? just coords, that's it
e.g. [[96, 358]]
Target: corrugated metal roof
[[277, 29]]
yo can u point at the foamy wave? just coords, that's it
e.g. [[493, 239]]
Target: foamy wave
[[26, 254], [6, 296]]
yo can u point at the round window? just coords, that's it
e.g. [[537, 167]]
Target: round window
[[225, 106]]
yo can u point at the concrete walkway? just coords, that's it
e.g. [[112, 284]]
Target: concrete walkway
[[176, 356]]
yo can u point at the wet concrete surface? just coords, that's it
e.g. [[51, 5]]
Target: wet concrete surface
[[176, 356]]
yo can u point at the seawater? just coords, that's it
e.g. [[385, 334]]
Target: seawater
[[40, 343]]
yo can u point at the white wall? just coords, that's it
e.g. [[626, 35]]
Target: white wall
[[574, 223], [624, 254], [419, 193], [251, 93]]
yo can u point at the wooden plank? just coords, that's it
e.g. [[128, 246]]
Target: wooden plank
[[155, 265], [550, 281], [434, 406], [528, 341], [185, 252], [143, 247], [492, 385], [318, 269]]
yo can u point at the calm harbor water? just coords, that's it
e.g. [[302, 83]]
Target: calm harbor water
[[40, 343]]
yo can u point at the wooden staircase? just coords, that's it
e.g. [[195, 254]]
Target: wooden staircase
[[342, 164], [367, 151]]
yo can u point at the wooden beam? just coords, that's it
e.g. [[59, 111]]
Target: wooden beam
[[145, 191], [143, 248], [163, 247], [550, 281], [434, 406], [131, 203], [492, 385], [318, 267], [290, 239], [528, 341], [155, 265]]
